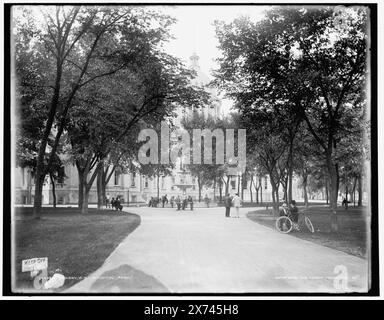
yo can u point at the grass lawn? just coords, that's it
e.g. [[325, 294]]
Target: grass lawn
[[76, 243], [352, 237]]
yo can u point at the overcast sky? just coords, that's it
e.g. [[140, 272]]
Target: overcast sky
[[194, 32]]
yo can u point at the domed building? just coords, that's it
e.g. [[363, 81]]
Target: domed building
[[202, 80]]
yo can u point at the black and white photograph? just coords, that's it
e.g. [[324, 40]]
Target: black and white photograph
[[190, 149]]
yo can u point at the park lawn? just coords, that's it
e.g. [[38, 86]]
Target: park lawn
[[352, 237], [76, 243]]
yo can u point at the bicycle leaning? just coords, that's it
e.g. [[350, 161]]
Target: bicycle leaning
[[285, 223]]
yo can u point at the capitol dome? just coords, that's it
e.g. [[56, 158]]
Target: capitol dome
[[203, 80]]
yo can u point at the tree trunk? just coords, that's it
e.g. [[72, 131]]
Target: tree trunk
[[327, 190], [261, 191], [257, 194], [227, 186], [276, 208], [306, 203], [290, 171], [200, 187], [81, 188], [214, 190], [53, 190], [40, 167], [275, 200], [346, 196], [360, 192], [104, 186], [38, 198], [106, 178], [158, 185], [275, 197], [221, 190], [86, 185], [99, 184], [354, 191], [84, 207], [333, 190]]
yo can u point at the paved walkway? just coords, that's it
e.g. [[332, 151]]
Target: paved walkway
[[204, 252]]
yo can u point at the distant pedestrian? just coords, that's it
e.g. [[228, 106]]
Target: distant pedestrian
[[237, 203], [206, 200], [294, 212], [164, 200], [107, 201], [112, 202], [118, 205], [345, 203], [185, 201], [172, 201], [227, 203], [178, 203], [190, 200]]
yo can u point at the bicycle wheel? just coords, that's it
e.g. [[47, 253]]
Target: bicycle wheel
[[284, 224], [309, 225]]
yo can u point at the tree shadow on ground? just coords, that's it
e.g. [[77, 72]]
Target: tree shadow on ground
[[127, 279]]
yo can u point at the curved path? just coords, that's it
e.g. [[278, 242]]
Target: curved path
[[204, 252]]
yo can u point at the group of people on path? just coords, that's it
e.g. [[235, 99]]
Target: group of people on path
[[113, 203], [291, 210], [182, 202], [234, 201], [155, 201]]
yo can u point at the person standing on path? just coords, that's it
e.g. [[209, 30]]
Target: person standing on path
[[237, 203], [164, 200], [178, 203], [227, 203]]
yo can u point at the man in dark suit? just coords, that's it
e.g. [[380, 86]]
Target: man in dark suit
[[227, 203]]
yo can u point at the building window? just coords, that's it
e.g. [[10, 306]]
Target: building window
[[133, 176], [146, 183], [61, 177], [265, 183], [23, 175], [233, 184], [117, 175], [244, 183]]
